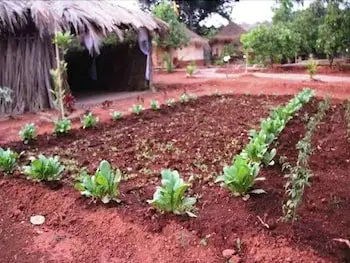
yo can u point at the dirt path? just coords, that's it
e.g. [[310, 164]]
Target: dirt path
[[171, 86]]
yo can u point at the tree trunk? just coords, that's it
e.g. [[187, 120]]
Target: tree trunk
[[331, 59]]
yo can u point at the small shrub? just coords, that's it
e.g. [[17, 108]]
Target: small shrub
[[191, 69], [311, 67], [28, 133], [136, 109], [117, 115], [62, 126], [170, 196], [154, 105], [104, 185], [8, 160], [44, 169], [240, 177], [168, 63], [184, 98], [89, 121], [193, 97], [171, 102]]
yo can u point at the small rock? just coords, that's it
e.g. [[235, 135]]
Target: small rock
[[37, 220], [227, 253], [235, 259]]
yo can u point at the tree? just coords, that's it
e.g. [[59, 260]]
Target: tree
[[333, 31], [194, 11], [177, 36]]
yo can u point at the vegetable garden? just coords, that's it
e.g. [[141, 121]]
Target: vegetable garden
[[222, 178]]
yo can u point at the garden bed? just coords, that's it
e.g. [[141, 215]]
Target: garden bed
[[197, 139]]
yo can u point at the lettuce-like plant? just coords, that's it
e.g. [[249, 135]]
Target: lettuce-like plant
[[272, 128], [8, 160], [184, 98], [62, 126], [117, 115], [89, 121], [171, 102], [154, 105], [191, 68], [28, 132], [136, 109], [170, 196], [240, 177], [44, 169], [257, 150], [103, 185]]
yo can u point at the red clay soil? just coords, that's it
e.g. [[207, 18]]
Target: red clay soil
[[196, 139], [171, 86]]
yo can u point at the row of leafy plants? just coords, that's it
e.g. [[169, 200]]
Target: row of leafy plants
[[63, 126], [170, 195], [298, 176], [347, 118], [242, 174]]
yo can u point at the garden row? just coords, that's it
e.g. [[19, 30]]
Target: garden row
[[240, 177]]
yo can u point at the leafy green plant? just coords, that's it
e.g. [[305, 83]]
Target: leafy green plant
[[168, 63], [117, 115], [44, 169], [171, 102], [89, 121], [62, 126], [154, 105], [257, 151], [191, 68], [137, 109], [103, 185], [170, 197], [8, 160], [241, 176], [184, 98], [28, 132]]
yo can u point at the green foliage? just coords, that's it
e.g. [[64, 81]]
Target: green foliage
[[62, 126], [184, 98], [154, 105], [136, 109], [177, 36], [170, 197], [89, 121], [240, 177], [62, 40], [8, 160], [257, 150], [6, 94], [117, 115], [103, 185], [311, 67], [299, 175], [44, 169], [28, 132], [168, 63], [191, 68], [171, 102], [347, 117]]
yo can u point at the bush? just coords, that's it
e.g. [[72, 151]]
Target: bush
[[117, 115], [311, 67], [44, 169], [191, 68], [168, 63], [136, 109], [170, 196], [28, 132], [89, 121], [8, 160], [62, 126], [103, 185]]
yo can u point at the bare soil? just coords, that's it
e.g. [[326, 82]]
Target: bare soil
[[197, 139]]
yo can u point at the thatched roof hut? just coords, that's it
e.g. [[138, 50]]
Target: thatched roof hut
[[27, 52], [228, 34]]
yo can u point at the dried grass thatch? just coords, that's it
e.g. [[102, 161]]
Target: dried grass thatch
[[229, 34], [26, 30], [195, 39]]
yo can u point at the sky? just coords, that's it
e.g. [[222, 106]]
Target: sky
[[244, 11]]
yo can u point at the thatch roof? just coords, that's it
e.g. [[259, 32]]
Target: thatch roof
[[96, 18], [230, 33], [196, 39]]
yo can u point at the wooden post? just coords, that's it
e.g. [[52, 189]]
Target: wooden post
[[150, 66]]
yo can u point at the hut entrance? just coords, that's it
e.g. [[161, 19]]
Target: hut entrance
[[117, 68]]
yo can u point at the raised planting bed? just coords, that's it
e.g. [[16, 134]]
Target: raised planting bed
[[196, 139]]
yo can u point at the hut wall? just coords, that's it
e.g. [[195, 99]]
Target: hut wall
[[25, 63], [190, 53]]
